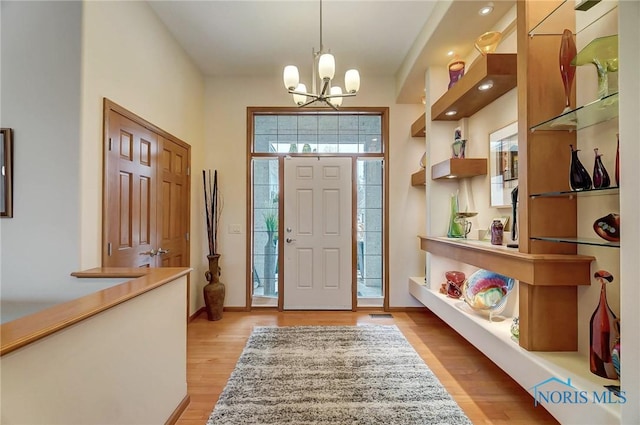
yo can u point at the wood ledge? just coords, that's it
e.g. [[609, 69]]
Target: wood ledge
[[27, 329], [532, 269]]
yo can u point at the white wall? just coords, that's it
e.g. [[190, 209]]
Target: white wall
[[129, 56], [226, 117], [41, 70], [86, 374]]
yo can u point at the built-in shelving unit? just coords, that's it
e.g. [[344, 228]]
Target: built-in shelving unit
[[419, 178], [614, 190], [459, 168], [465, 98], [419, 127], [598, 111], [578, 241]]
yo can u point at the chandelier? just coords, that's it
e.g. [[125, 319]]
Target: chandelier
[[324, 67]]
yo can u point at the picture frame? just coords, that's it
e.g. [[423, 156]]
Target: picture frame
[[503, 164], [6, 173]]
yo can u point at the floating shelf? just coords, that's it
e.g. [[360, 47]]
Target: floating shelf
[[466, 99], [459, 168], [534, 269], [570, 193], [419, 127], [418, 178], [577, 241], [593, 113]]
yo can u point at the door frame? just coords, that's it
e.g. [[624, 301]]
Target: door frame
[[110, 106], [252, 111]]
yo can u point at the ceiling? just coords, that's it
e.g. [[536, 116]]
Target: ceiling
[[258, 38]]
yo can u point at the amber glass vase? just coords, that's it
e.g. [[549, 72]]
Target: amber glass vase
[[567, 71], [603, 332]]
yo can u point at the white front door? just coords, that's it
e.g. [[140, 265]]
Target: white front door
[[317, 232]]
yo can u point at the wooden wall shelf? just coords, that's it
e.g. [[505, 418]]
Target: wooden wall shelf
[[534, 269], [419, 127], [465, 98], [418, 178], [459, 168]]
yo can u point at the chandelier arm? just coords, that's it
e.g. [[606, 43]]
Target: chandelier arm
[[328, 96], [309, 102], [303, 93], [325, 87]]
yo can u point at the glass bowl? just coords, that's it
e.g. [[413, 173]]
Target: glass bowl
[[486, 292], [488, 42]]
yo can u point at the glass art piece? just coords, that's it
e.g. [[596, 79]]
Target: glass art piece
[[618, 162], [604, 331], [515, 328], [600, 175], [608, 227], [488, 42], [579, 178], [455, 279], [567, 70], [615, 357], [486, 292], [456, 71], [603, 53], [458, 147]]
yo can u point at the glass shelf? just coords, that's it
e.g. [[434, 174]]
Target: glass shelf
[[598, 111], [569, 193], [578, 241], [556, 21]]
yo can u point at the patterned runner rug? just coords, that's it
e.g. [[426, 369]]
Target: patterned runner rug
[[333, 375]]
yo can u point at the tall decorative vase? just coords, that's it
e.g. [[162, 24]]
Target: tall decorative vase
[[600, 175], [579, 179], [456, 225], [603, 332], [456, 71], [567, 71], [214, 290], [618, 162]]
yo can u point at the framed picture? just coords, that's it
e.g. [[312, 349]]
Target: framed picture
[[503, 164], [6, 157]]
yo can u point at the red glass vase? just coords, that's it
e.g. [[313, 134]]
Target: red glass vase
[[567, 71], [603, 332]]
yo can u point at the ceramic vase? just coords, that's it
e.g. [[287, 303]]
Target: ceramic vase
[[603, 332], [600, 175], [567, 71], [213, 291], [579, 178]]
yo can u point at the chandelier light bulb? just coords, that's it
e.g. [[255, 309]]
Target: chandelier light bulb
[[352, 81], [336, 101], [291, 77], [300, 99], [326, 66]]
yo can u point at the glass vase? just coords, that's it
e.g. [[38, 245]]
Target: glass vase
[[456, 226], [456, 71], [579, 178], [600, 175], [567, 71], [603, 332]]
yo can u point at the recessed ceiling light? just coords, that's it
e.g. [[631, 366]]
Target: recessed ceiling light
[[485, 10], [450, 113], [485, 86], [450, 53]]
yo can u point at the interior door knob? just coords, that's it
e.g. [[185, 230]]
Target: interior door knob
[[289, 240], [150, 253], [162, 251]]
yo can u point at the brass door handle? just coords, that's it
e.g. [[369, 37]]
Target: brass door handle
[[162, 251]]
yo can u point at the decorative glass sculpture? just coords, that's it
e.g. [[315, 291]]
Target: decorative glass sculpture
[[603, 53], [608, 227], [603, 332], [458, 147], [615, 357], [618, 162], [455, 279], [567, 71], [600, 175], [515, 328], [579, 179], [456, 71], [456, 229], [488, 42], [486, 292]]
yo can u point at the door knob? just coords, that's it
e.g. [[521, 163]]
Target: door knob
[[289, 240], [162, 251], [150, 253]]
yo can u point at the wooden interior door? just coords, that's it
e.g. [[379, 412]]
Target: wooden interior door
[[146, 194], [173, 204]]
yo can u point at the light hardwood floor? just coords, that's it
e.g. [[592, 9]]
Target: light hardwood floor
[[485, 393]]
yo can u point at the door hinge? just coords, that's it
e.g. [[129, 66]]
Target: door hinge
[[110, 143], [188, 171], [186, 236], [109, 249]]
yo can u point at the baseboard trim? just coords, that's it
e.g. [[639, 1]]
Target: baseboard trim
[[407, 309], [237, 309], [197, 313], [178, 410]]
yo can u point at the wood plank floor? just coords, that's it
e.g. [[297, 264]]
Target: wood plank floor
[[485, 393]]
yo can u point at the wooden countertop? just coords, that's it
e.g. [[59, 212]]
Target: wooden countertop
[[25, 330]]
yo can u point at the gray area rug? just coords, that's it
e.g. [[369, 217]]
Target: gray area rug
[[333, 375]]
